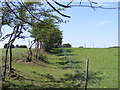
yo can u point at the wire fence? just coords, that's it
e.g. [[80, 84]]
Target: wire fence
[[80, 72]]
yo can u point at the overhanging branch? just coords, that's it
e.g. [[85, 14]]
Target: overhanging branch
[[57, 10], [18, 16], [30, 12], [92, 3]]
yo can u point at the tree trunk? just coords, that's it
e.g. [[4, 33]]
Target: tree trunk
[[37, 50], [5, 66], [10, 65], [29, 57], [42, 46]]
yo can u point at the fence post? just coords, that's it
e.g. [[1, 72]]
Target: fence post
[[86, 75]]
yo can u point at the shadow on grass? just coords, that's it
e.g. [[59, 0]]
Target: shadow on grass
[[7, 85], [70, 67], [66, 56], [40, 84], [66, 82], [23, 87], [62, 63], [92, 76], [67, 62], [56, 51], [48, 76], [59, 51]]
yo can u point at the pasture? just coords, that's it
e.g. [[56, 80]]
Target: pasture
[[62, 73]]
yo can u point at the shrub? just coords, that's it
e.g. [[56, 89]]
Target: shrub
[[17, 46], [67, 45], [22, 46], [5, 46], [81, 47]]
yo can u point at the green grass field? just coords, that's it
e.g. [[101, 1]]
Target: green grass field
[[103, 66], [103, 69]]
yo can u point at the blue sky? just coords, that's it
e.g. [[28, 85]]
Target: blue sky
[[86, 27]]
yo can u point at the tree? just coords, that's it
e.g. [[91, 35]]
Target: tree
[[22, 46], [48, 36], [14, 15], [67, 45], [6, 45], [81, 47], [10, 18], [20, 15], [17, 46], [55, 39]]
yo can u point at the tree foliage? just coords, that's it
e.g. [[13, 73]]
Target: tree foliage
[[67, 45], [23, 15], [20, 46], [6, 45], [48, 35], [20, 16]]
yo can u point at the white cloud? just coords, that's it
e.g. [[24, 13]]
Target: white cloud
[[100, 24]]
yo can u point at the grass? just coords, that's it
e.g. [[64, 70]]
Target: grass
[[103, 66], [103, 69]]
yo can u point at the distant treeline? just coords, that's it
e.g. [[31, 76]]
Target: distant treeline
[[115, 47], [17, 46]]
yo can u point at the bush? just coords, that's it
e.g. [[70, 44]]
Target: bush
[[22, 46], [17, 46], [67, 45], [81, 47], [42, 57], [5, 46]]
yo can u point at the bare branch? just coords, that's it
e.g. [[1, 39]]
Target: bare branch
[[57, 10], [80, 2], [14, 5], [94, 2], [5, 37], [17, 33], [101, 7], [70, 3], [61, 4], [80, 5], [32, 42], [91, 4]]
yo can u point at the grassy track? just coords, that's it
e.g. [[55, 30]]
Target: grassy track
[[103, 69]]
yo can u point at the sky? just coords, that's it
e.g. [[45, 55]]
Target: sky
[[86, 27], [91, 28]]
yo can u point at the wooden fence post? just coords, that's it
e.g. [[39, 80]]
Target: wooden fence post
[[86, 76]]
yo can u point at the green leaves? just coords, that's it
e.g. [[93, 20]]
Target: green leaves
[[48, 33]]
